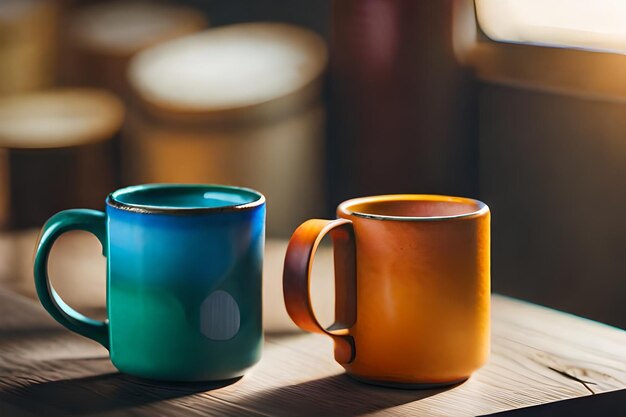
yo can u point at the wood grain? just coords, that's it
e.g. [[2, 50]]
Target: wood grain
[[538, 355]]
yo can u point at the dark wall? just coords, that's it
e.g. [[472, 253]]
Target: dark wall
[[553, 167]]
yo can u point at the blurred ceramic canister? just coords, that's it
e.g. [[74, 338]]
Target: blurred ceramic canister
[[100, 38], [28, 33], [238, 105], [57, 151]]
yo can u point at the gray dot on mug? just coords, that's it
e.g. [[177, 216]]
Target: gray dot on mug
[[219, 316]]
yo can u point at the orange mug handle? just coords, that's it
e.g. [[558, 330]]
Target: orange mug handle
[[297, 274]]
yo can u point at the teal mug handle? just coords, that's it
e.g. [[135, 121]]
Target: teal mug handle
[[78, 219]]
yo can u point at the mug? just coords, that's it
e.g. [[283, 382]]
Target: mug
[[184, 271], [412, 283]]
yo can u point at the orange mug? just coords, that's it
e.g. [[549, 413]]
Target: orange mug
[[412, 282]]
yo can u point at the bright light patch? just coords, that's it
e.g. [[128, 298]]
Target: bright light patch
[[588, 24]]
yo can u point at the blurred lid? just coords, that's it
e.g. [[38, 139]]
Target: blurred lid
[[125, 27], [231, 69], [59, 118]]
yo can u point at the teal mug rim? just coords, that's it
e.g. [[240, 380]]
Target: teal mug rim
[[113, 200]]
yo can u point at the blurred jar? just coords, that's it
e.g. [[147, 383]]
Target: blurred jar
[[28, 45], [234, 105], [58, 150], [99, 39]]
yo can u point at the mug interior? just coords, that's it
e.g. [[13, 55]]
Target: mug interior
[[185, 197], [413, 207]]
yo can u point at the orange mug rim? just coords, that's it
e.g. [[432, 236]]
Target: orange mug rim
[[345, 207]]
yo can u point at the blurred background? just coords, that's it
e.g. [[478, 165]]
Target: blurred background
[[520, 103]]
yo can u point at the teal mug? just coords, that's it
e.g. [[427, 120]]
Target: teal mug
[[184, 272]]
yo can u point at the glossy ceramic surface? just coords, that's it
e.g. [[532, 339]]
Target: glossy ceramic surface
[[413, 281], [184, 269]]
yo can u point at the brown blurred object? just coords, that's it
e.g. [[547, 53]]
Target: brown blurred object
[[234, 105], [57, 150], [28, 45], [402, 110], [100, 38]]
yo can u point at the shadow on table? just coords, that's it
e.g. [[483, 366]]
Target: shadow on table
[[112, 392], [98, 394], [337, 395]]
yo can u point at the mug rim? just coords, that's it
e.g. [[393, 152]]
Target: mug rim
[[113, 201], [344, 207]]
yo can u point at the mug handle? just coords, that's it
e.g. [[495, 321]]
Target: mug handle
[[296, 281], [77, 219]]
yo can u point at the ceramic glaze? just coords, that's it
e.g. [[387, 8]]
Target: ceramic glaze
[[184, 265], [413, 287]]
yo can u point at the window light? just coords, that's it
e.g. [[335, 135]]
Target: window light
[[588, 24]]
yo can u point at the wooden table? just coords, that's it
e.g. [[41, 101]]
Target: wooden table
[[538, 355]]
